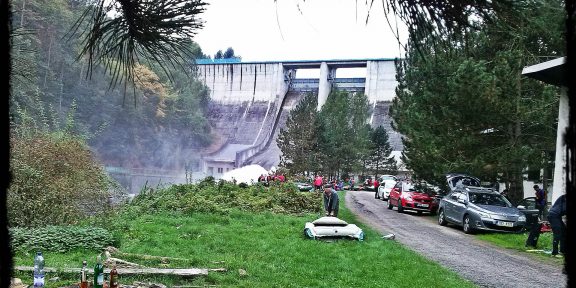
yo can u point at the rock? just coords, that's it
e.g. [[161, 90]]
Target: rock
[[390, 236], [17, 283], [242, 272]]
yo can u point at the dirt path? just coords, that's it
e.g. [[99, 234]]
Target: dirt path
[[481, 263]]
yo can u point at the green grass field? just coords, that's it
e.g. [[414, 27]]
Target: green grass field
[[269, 247]]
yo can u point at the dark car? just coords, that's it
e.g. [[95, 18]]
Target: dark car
[[409, 196], [477, 208], [528, 207]]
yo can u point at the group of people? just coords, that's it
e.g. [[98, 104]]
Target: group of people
[[267, 179], [555, 214], [319, 181]]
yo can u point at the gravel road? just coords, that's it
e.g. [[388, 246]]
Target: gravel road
[[479, 262]]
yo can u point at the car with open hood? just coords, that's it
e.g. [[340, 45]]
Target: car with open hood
[[407, 195], [478, 208]]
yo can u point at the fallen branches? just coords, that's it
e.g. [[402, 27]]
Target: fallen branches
[[189, 272]]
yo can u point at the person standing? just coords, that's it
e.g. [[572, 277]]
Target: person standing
[[376, 185], [558, 227], [540, 201], [330, 201], [318, 183]]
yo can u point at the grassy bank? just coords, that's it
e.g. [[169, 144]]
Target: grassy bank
[[269, 247], [517, 242]]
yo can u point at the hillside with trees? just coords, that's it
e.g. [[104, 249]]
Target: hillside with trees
[[154, 123]]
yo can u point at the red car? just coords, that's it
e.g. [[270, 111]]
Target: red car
[[406, 196]]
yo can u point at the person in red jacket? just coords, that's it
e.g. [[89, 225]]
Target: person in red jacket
[[376, 185], [318, 183]]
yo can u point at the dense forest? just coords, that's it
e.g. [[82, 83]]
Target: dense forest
[[155, 123]]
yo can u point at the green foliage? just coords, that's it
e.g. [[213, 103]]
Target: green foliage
[[269, 247], [332, 141], [163, 128], [60, 238], [380, 161], [55, 180], [464, 106], [343, 133], [222, 197], [299, 140]]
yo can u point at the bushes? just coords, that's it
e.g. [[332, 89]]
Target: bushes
[[211, 197], [55, 180], [60, 239]]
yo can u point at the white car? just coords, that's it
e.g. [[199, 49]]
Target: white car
[[332, 227], [384, 189]]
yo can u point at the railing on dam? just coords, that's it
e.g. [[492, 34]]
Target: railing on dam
[[311, 84]]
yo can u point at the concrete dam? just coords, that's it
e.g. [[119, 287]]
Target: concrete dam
[[251, 102]]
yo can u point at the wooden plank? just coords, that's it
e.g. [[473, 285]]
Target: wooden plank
[[190, 272]]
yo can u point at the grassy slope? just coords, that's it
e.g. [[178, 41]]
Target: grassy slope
[[271, 249]]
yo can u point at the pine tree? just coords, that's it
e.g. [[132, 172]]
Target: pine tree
[[299, 140], [380, 161]]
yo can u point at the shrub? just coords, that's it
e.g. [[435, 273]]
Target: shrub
[[55, 180], [60, 238], [207, 196]]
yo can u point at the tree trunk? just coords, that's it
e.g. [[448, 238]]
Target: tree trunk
[[48, 64]]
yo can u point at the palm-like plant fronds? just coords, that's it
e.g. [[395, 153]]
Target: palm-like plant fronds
[[120, 34]]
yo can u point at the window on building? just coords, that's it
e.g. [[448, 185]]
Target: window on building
[[227, 169], [220, 170]]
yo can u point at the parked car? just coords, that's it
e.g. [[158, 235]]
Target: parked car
[[385, 188], [477, 208], [528, 207], [381, 180], [408, 196], [454, 179], [305, 187]]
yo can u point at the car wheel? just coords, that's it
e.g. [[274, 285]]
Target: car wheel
[[382, 197], [389, 204], [419, 212], [466, 226], [400, 208], [441, 220]]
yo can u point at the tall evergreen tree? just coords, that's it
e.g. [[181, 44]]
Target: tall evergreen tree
[[299, 140], [463, 105], [381, 161]]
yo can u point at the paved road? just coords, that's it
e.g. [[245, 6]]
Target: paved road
[[481, 263]]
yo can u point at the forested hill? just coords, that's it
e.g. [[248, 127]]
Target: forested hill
[[162, 126]]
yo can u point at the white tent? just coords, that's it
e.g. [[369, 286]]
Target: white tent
[[245, 174]]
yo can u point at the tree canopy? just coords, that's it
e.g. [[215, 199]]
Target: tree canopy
[[464, 107]]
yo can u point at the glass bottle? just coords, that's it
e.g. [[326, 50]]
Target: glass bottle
[[113, 277], [99, 273], [39, 270], [83, 275]]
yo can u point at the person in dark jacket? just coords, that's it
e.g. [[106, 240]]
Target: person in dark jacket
[[540, 200], [330, 201], [558, 227]]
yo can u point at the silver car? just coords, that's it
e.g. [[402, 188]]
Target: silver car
[[476, 208]]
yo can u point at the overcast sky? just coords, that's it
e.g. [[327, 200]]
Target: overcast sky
[[262, 30]]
